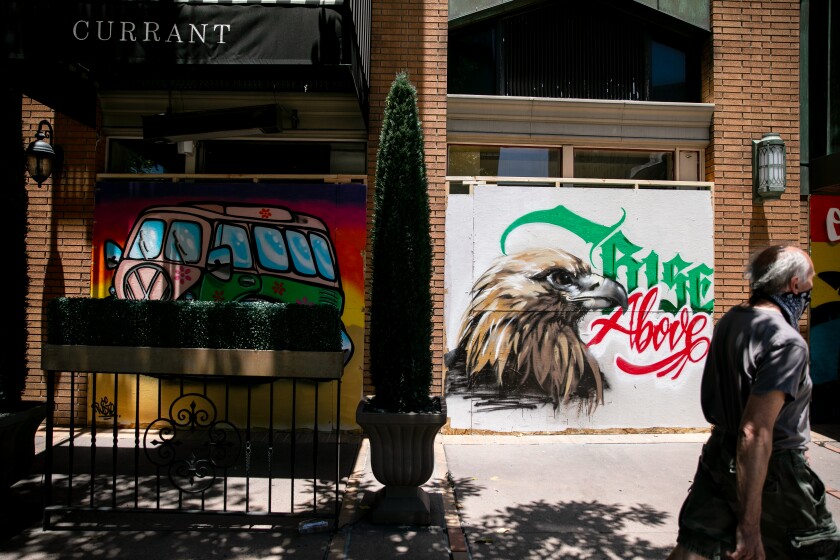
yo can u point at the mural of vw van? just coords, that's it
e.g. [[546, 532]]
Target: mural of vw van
[[212, 252]]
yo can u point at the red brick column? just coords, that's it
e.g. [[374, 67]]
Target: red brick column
[[412, 37], [754, 84], [60, 220]]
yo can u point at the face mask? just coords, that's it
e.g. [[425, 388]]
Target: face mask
[[792, 305]]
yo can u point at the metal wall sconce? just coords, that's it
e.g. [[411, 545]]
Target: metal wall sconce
[[768, 167], [41, 158]]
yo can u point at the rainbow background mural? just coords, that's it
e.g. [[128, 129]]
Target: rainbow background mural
[[342, 207]]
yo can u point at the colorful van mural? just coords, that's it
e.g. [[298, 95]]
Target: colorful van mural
[[213, 252], [238, 242], [577, 308]]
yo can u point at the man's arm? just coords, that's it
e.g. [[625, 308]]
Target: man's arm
[[755, 444]]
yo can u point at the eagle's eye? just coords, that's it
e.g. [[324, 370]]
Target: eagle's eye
[[559, 278]]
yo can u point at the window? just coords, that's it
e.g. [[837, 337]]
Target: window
[[323, 256], [138, 156], [668, 73], [183, 244], [472, 57], [496, 161], [149, 240], [576, 50], [624, 164], [281, 158], [246, 157], [301, 253], [306, 254], [271, 249], [235, 237], [532, 164]]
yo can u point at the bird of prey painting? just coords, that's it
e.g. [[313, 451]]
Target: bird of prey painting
[[519, 343]]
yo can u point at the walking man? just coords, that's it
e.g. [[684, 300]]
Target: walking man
[[754, 495]]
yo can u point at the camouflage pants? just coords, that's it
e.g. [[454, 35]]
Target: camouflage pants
[[794, 520]]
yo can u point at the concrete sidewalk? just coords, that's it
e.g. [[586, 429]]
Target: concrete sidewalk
[[22, 535], [512, 497], [572, 496], [592, 496]]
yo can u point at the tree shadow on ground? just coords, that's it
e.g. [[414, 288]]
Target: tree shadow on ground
[[567, 530], [22, 507], [136, 536], [22, 536]]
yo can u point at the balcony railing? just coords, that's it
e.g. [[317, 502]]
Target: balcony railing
[[467, 185]]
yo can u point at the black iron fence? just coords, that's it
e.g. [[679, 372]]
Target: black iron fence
[[221, 437]]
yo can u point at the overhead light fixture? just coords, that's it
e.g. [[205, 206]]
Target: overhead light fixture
[[769, 167], [219, 123], [41, 157]]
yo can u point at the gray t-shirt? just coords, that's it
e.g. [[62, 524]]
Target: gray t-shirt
[[756, 351]]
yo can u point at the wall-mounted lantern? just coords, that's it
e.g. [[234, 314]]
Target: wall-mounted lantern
[[768, 167], [41, 158]]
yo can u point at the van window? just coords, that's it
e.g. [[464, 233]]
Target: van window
[[301, 253], [149, 240], [236, 238], [183, 244], [323, 257], [271, 249]]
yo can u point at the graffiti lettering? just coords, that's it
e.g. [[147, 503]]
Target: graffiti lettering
[[832, 224], [689, 283], [680, 334]]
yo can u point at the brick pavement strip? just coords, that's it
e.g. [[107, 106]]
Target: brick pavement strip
[[455, 533], [349, 513], [831, 446]]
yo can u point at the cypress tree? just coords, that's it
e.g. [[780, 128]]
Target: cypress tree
[[401, 300]]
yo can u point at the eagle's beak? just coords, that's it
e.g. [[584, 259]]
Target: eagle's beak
[[598, 292]]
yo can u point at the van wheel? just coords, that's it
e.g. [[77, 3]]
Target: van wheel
[[147, 281]]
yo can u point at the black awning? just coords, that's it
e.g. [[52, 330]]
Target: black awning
[[156, 41], [174, 32]]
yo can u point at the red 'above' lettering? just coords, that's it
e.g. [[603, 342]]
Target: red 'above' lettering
[[680, 334]]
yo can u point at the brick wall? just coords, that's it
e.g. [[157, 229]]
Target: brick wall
[[60, 227], [412, 37], [754, 84]]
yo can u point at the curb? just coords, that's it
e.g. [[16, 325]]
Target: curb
[[458, 548], [349, 513]]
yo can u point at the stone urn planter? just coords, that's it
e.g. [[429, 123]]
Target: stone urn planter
[[402, 458], [17, 440]]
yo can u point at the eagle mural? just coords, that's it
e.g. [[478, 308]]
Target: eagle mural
[[519, 344]]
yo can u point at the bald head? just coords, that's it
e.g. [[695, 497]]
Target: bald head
[[779, 269]]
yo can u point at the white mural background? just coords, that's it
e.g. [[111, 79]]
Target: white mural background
[[668, 226]]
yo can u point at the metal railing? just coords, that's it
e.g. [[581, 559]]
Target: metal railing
[[467, 185], [179, 448]]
